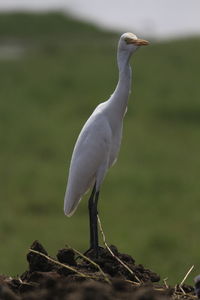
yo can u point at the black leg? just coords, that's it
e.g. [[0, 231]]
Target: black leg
[[96, 239], [91, 216], [92, 206]]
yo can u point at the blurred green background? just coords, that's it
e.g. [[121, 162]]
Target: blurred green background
[[53, 73]]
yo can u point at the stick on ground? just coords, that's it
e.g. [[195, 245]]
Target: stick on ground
[[108, 248], [59, 263], [93, 263]]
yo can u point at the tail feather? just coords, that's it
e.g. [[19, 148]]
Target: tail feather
[[70, 205]]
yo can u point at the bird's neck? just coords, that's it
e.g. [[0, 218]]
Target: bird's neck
[[120, 96]]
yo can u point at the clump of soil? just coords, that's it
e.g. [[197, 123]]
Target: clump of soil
[[76, 277]]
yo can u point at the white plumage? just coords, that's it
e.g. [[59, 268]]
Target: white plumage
[[98, 144]]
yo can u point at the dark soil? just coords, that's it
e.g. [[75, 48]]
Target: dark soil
[[72, 277]]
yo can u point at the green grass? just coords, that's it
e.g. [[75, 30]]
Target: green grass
[[149, 204]]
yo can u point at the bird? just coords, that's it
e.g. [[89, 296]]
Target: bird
[[98, 143]]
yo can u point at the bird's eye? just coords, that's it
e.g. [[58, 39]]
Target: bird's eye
[[129, 40]]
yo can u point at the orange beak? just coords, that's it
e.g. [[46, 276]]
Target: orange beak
[[137, 42], [140, 42]]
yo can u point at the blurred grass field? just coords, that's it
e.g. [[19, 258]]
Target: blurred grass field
[[54, 71]]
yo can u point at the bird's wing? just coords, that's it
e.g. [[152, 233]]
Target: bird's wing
[[90, 156]]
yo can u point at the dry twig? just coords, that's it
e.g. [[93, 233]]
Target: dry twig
[[165, 282], [108, 248], [93, 263], [132, 282], [187, 274], [59, 263], [180, 286]]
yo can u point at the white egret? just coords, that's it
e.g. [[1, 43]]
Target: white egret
[[98, 144]]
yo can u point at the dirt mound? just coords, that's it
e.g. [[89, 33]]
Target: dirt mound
[[72, 276]]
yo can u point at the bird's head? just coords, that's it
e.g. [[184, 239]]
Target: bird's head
[[130, 42]]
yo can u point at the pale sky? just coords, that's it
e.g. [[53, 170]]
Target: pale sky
[[156, 18]]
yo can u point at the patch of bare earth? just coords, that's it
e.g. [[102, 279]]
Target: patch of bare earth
[[73, 276]]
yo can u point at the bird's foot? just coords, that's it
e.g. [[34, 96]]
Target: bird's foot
[[94, 252]]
